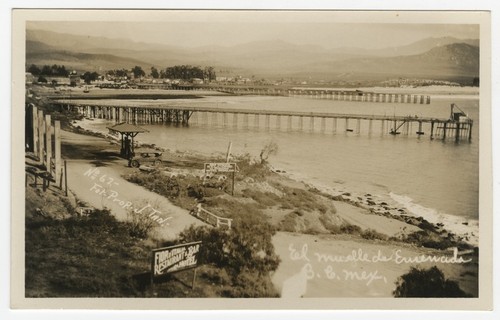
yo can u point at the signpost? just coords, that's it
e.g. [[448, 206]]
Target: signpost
[[221, 167], [217, 167], [174, 259]]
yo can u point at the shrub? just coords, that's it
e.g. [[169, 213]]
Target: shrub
[[212, 250], [427, 283], [197, 192], [251, 169], [270, 149], [246, 246], [250, 284], [139, 224], [371, 234], [351, 229], [426, 225], [428, 240], [216, 276], [244, 256], [312, 230]]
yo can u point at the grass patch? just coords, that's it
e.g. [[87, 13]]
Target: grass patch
[[328, 223], [183, 192], [264, 199], [48, 204], [296, 198], [91, 256], [229, 208], [289, 223]]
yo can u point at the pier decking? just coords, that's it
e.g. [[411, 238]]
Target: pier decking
[[458, 126]]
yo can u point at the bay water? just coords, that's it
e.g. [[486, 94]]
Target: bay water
[[435, 179]]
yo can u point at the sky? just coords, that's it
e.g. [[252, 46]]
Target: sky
[[329, 30]]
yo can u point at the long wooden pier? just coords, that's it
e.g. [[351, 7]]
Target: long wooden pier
[[311, 93], [457, 126], [336, 95]]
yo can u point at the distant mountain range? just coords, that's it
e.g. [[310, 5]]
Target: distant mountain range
[[439, 58]]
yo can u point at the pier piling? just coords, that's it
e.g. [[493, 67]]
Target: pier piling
[[458, 121]]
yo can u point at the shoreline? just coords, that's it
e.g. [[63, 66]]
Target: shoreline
[[467, 228], [463, 229], [438, 90]]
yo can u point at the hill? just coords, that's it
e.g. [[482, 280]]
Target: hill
[[423, 46], [453, 60], [39, 53], [439, 58]]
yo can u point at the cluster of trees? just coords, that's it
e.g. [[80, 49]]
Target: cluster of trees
[[54, 70], [137, 71], [184, 72], [118, 73], [89, 77]]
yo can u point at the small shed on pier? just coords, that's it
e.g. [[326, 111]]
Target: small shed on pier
[[128, 132]]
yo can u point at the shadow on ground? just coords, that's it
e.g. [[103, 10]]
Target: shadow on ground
[[99, 156]]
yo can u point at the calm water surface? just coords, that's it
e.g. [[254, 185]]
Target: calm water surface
[[435, 179]]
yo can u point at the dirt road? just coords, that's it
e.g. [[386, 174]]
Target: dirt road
[[95, 176]]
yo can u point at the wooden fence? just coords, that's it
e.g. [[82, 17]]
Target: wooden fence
[[44, 140], [211, 218]]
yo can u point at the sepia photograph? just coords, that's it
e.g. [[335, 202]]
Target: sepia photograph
[[217, 157]]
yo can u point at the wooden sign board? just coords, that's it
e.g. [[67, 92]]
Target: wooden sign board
[[175, 258], [221, 167]]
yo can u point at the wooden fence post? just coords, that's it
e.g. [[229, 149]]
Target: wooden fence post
[[57, 149], [48, 145], [65, 179], [35, 132], [41, 137]]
